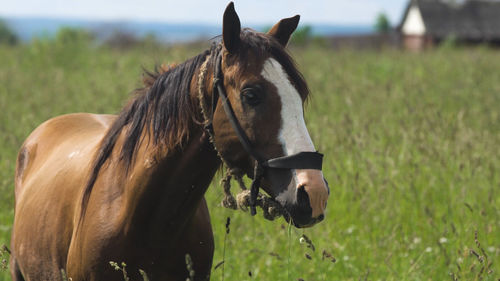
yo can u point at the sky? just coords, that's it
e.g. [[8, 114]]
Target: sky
[[208, 11]]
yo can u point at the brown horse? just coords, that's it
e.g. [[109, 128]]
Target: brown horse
[[97, 188]]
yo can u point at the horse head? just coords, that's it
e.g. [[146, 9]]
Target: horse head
[[266, 94]]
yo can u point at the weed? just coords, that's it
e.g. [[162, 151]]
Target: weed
[[4, 257]]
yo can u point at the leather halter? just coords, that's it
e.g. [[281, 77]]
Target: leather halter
[[301, 160]]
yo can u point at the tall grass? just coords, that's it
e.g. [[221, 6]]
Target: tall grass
[[411, 144]]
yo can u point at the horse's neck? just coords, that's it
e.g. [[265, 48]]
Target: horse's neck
[[164, 189]]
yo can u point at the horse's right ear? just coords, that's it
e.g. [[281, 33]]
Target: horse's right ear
[[231, 29]]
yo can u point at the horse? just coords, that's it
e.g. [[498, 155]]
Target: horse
[[95, 188]]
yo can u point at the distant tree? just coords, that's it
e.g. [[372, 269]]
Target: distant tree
[[302, 35], [382, 24], [7, 36], [75, 36], [121, 40]]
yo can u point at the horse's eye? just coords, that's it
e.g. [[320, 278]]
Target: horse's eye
[[251, 96]]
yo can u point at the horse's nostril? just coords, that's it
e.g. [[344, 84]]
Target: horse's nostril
[[321, 217], [302, 197]]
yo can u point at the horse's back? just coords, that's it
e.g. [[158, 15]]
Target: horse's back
[[51, 171]]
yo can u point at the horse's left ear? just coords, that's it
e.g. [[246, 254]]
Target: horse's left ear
[[284, 29], [231, 28]]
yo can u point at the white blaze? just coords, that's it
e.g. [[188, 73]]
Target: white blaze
[[293, 134]]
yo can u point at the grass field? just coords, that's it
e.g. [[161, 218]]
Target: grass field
[[412, 146]]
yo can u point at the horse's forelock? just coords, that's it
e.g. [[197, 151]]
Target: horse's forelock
[[264, 46]]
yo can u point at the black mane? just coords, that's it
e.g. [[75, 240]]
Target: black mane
[[163, 110]]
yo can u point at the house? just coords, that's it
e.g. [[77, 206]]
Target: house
[[428, 22]]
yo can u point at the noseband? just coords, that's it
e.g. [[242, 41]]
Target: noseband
[[301, 160]]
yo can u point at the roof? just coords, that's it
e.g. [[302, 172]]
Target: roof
[[472, 19]]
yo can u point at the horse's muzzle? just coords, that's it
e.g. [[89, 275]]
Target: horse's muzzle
[[300, 213]]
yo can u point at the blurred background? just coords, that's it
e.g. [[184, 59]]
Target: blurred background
[[183, 21], [342, 23], [405, 106]]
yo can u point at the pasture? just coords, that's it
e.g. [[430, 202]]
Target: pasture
[[411, 144]]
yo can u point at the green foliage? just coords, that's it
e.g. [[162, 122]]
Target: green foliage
[[68, 36], [410, 144], [120, 267], [7, 36], [450, 42], [4, 257], [302, 35], [382, 23]]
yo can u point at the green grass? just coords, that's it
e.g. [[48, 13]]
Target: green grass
[[411, 144]]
